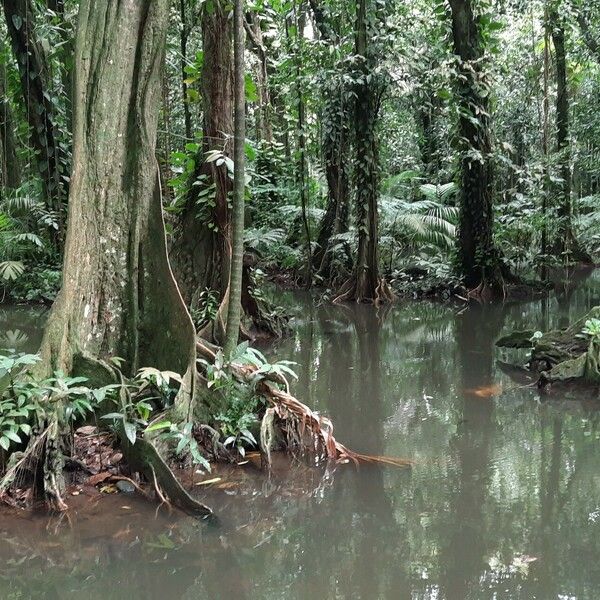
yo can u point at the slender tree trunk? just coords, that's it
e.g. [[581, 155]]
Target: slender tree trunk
[[566, 243], [119, 297], [10, 170], [336, 145], [264, 129], [300, 15], [32, 63], [66, 56], [335, 140], [478, 258], [545, 149], [427, 145], [183, 43], [234, 309]]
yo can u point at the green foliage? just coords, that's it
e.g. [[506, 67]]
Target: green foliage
[[37, 283], [26, 403], [239, 404], [26, 228], [206, 308], [592, 328]]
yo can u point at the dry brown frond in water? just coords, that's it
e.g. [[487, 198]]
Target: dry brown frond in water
[[304, 429]]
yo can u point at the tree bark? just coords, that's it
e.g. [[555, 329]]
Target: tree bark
[[478, 258], [566, 243], [234, 304], [32, 63], [10, 171], [119, 297], [202, 245]]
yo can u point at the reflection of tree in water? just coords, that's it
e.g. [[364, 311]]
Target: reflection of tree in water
[[380, 558], [462, 558]]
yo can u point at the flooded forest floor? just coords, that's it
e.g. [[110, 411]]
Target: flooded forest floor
[[501, 502]]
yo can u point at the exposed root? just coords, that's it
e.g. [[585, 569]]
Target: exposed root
[[309, 432], [353, 291], [158, 491], [267, 435], [39, 466], [145, 458]]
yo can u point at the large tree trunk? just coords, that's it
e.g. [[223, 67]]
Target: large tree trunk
[[201, 249], [566, 243], [32, 63], [479, 261], [119, 297]]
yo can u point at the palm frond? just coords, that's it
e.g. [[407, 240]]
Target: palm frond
[[439, 193], [11, 269]]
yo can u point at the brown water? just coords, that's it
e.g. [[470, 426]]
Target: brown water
[[503, 501]]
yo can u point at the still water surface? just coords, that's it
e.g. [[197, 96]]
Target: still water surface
[[503, 501]]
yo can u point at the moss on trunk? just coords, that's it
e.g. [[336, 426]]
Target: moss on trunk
[[119, 297]]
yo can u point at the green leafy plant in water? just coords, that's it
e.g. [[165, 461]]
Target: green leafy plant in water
[[241, 404]]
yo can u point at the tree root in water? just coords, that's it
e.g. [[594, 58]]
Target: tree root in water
[[144, 458], [42, 463], [353, 291]]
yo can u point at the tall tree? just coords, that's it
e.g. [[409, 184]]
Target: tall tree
[[10, 172], [299, 14], [184, 34], [566, 243], [264, 125], [32, 62], [234, 307], [119, 297], [335, 141], [478, 257], [366, 285], [202, 245]]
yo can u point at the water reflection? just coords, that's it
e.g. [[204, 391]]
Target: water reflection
[[502, 502]]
